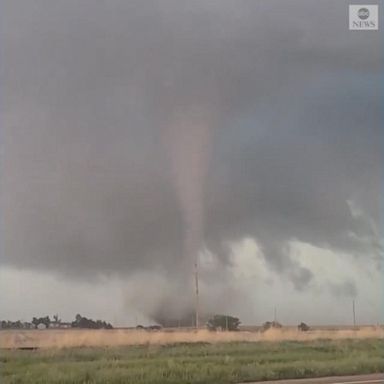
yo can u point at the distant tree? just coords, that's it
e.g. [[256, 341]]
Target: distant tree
[[83, 322], [18, 324], [41, 320], [35, 321], [223, 322], [303, 327], [270, 324], [46, 321], [56, 318]]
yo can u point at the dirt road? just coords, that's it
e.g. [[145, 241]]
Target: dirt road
[[377, 378]]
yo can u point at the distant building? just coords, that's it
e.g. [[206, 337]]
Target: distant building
[[59, 325]]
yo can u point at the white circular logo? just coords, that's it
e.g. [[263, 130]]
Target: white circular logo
[[363, 13]]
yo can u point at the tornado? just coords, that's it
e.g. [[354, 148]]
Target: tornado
[[189, 138]]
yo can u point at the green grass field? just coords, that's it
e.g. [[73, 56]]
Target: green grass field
[[193, 363]]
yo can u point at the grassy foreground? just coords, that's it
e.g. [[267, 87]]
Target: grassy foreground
[[193, 363]]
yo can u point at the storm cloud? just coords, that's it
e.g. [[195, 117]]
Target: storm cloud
[[110, 109]]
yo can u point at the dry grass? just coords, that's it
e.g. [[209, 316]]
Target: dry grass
[[12, 339]]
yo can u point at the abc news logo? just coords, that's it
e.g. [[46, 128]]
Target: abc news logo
[[363, 17]]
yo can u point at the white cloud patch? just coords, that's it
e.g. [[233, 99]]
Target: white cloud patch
[[328, 298], [25, 294]]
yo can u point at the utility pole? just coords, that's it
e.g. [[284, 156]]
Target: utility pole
[[197, 296], [354, 313]]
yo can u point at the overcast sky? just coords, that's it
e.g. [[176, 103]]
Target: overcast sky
[[136, 135]]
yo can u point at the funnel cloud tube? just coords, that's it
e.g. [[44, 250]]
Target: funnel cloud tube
[[189, 139]]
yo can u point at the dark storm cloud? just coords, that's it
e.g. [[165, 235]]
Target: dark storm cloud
[[346, 288], [90, 88]]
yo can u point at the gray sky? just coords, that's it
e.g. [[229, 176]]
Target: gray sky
[[138, 134]]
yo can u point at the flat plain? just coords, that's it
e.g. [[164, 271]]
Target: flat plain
[[163, 357]]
